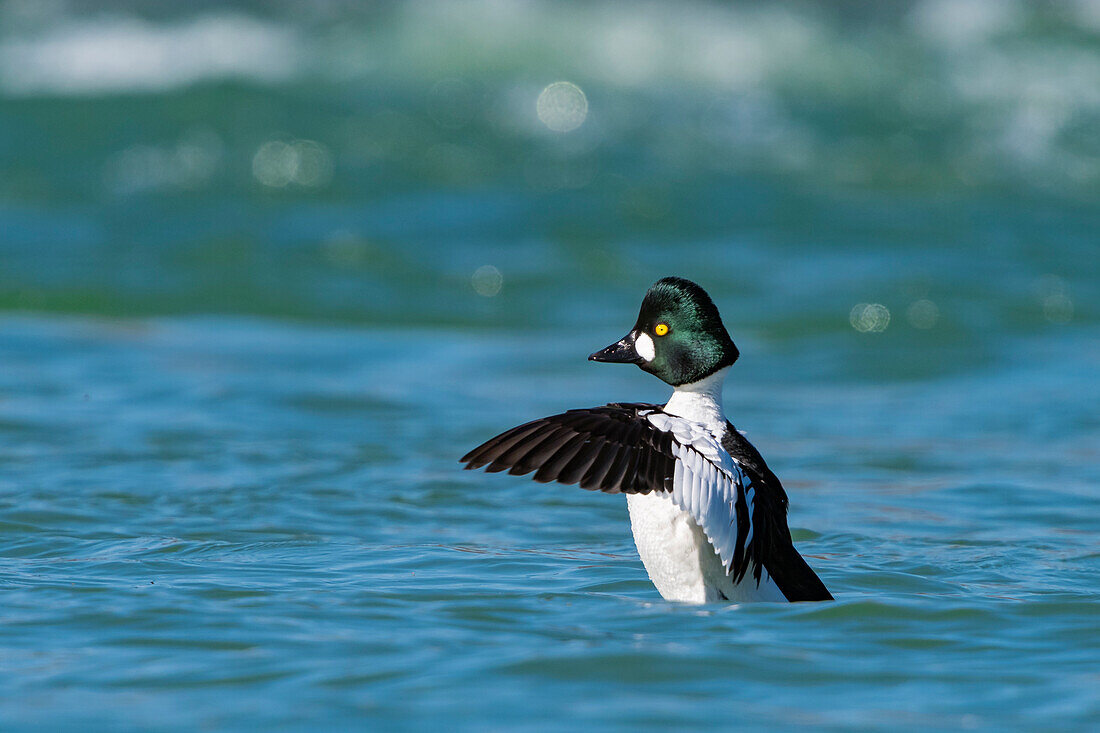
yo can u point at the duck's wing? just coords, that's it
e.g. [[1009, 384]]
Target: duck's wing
[[637, 449], [772, 539]]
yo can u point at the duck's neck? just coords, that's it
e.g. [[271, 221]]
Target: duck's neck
[[701, 401]]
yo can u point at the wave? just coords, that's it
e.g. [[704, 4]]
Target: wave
[[127, 54]]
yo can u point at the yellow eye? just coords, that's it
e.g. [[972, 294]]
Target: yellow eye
[[661, 329]]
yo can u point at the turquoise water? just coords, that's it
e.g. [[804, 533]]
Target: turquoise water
[[267, 272]]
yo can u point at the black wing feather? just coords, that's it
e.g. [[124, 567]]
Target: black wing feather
[[493, 448], [606, 448], [550, 470], [576, 469], [539, 450], [771, 540], [600, 467], [623, 465], [537, 446]]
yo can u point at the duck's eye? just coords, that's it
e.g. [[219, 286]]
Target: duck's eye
[[661, 329]]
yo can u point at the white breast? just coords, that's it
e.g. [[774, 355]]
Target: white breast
[[681, 561], [672, 547], [679, 558]]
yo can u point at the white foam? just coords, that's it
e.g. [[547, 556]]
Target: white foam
[[1012, 102], [111, 54]]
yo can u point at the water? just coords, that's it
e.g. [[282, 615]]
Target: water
[[258, 295]]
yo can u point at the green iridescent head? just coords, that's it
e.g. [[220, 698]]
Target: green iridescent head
[[679, 337]]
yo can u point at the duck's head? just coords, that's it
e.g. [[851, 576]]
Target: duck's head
[[679, 337]]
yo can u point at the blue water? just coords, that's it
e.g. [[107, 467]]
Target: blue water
[[267, 273]]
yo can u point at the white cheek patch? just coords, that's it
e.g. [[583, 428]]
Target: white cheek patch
[[644, 346]]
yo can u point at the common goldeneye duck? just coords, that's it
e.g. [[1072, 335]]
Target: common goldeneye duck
[[709, 518]]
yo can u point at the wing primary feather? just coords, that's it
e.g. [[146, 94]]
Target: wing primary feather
[[551, 469], [614, 481], [578, 466], [508, 460], [515, 454], [634, 480], [494, 447], [594, 478], [642, 480], [739, 565], [660, 467], [539, 451]]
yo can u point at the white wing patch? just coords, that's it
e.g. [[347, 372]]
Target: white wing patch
[[706, 483]]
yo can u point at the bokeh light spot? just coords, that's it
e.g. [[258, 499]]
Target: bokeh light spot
[[923, 314], [869, 317], [314, 166], [562, 106], [274, 164], [191, 163], [487, 281], [277, 164], [1058, 308], [1054, 297]]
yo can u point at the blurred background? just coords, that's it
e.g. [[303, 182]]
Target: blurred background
[[358, 162], [267, 269]]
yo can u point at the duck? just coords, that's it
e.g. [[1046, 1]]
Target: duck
[[709, 518]]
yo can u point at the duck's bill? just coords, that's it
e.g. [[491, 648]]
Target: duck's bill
[[620, 352]]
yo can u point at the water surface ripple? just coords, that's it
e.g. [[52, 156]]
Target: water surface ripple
[[267, 270], [238, 523]]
